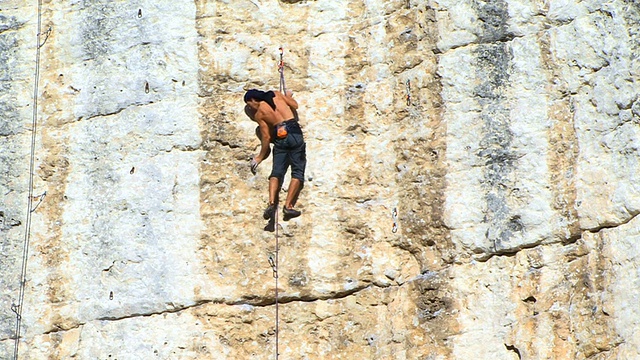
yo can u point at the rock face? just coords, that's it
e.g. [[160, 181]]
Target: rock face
[[471, 188]]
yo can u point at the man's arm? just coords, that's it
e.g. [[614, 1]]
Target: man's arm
[[265, 140], [250, 112], [288, 98]]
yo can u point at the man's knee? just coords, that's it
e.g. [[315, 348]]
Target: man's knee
[[298, 174], [297, 170], [278, 176]]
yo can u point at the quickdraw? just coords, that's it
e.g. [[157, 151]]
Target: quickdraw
[[46, 37], [408, 92], [283, 88], [272, 263], [15, 308], [40, 199], [394, 215]]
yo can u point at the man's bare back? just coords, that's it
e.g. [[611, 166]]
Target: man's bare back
[[283, 111], [267, 118]]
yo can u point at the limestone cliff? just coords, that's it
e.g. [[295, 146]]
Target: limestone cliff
[[471, 191]]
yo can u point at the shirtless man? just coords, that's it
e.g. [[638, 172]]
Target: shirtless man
[[275, 114]]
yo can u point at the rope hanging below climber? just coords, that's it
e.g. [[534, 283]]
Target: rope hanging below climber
[[19, 307]]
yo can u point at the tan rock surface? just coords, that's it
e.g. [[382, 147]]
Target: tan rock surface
[[500, 137]]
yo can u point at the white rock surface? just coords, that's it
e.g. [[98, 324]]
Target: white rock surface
[[499, 139]]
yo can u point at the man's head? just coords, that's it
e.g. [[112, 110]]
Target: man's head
[[253, 98]]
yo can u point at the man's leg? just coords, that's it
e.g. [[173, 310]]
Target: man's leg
[[274, 189], [279, 167], [298, 164], [292, 194]]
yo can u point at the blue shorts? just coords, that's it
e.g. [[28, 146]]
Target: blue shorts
[[289, 151]]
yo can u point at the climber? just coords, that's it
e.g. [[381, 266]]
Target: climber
[[277, 120]]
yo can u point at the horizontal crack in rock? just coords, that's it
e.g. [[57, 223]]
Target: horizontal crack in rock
[[508, 252], [264, 302], [512, 252], [289, 299], [115, 112], [597, 229], [504, 39], [226, 143]]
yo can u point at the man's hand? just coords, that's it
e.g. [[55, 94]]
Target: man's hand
[[254, 165]]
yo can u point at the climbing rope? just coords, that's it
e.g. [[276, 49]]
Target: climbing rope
[[283, 88], [274, 267], [17, 308], [274, 263]]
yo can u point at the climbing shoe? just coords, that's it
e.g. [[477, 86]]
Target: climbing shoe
[[271, 226], [289, 213], [269, 212]]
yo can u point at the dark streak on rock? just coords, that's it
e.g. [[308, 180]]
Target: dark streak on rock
[[98, 22], [9, 122], [496, 153], [494, 16], [493, 66]]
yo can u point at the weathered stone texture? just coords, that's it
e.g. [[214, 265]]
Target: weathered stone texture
[[16, 80], [471, 189]]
